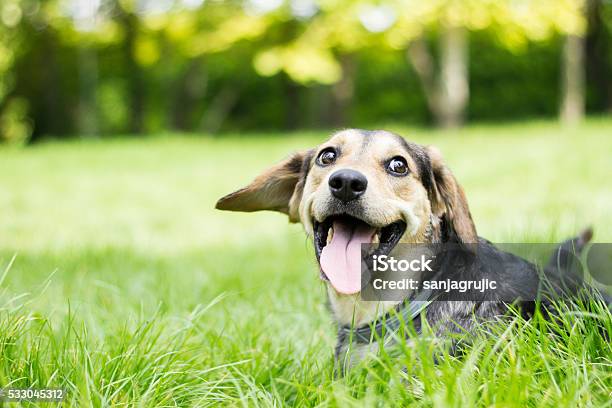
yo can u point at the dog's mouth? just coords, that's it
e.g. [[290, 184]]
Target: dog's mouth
[[337, 242]]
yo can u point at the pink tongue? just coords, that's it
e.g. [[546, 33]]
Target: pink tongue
[[341, 258]]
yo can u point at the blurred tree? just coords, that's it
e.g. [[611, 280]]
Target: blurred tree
[[446, 87], [125, 14], [197, 31], [86, 15], [573, 66], [82, 67], [320, 49], [15, 126], [599, 53], [572, 83], [514, 21]]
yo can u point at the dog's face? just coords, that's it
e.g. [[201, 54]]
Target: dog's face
[[361, 187]]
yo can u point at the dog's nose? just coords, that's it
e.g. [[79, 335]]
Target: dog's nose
[[347, 185]]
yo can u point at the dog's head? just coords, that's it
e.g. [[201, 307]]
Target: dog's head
[[361, 187]]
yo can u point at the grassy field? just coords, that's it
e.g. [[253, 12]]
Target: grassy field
[[124, 286]]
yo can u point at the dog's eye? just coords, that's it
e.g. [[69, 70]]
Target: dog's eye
[[397, 166], [327, 156]]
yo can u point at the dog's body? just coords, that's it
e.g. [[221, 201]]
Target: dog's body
[[520, 283], [374, 187]]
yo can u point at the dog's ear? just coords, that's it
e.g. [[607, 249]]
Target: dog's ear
[[277, 189], [448, 199]]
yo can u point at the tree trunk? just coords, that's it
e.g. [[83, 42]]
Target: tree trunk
[[49, 110], [133, 74], [319, 107], [342, 92], [454, 83], [598, 57], [219, 109], [291, 92], [52, 95], [572, 80], [423, 63], [189, 88], [446, 92], [88, 80]]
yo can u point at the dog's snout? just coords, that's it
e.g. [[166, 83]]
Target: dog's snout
[[347, 185]]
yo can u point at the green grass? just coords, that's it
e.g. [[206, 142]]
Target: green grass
[[128, 288]]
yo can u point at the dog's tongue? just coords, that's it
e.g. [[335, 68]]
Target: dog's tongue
[[341, 258]]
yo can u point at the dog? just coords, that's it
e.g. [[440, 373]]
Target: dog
[[375, 187]]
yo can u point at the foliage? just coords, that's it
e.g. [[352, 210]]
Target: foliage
[[346, 26], [14, 124], [119, 66]]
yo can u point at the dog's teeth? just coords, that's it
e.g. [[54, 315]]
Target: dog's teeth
[[376, 239], [330, 234]]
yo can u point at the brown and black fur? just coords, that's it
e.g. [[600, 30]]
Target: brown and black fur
[[429, 200]]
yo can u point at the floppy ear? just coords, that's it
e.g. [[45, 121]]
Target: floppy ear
[[277, 189], [448, 199]]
